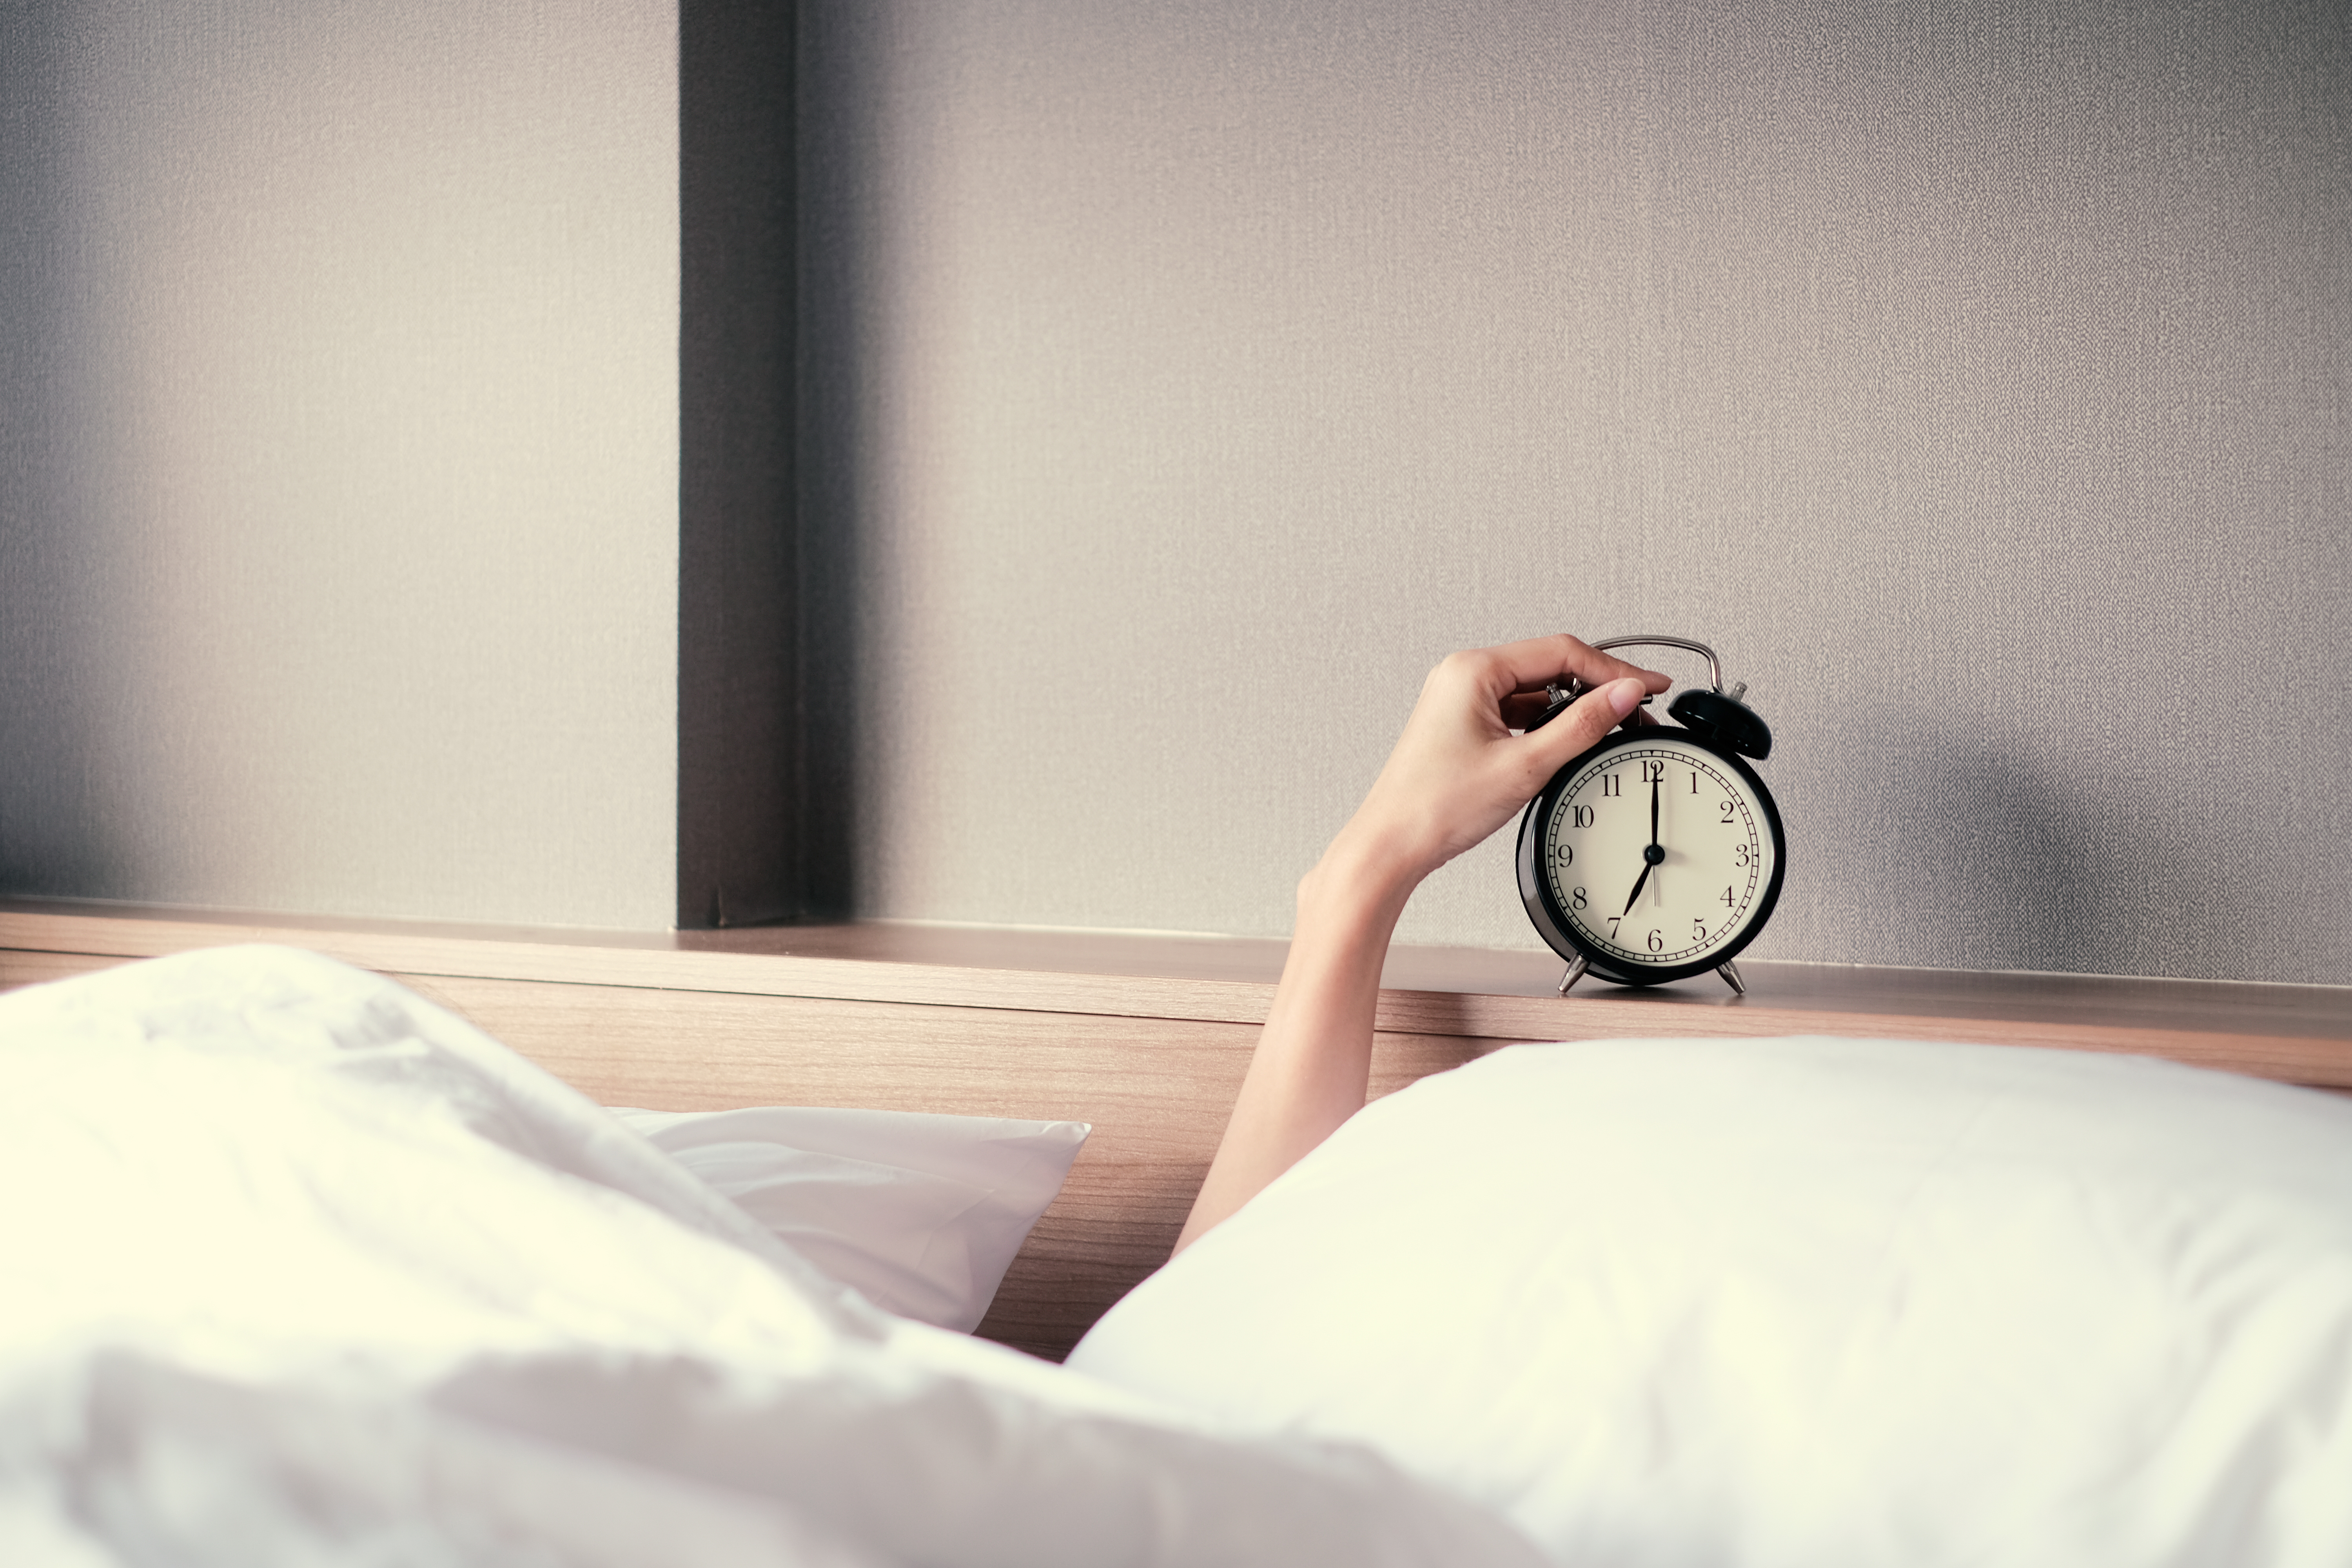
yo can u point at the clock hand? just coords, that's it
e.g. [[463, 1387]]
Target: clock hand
[[1636, 893], [1655, 855], [1652, 857]]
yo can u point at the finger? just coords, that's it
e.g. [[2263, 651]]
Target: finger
[[1538, 662], [1528, 710], [1591, 716]]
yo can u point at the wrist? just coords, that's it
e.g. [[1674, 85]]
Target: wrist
[[1362, 881]]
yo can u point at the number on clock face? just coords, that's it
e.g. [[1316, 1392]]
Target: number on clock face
[[1658, 853]]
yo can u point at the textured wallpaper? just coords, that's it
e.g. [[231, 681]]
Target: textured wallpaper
[[337, 456], [1182, 381]]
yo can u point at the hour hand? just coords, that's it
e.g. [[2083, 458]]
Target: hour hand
[[1652, 858], [1631, 898]]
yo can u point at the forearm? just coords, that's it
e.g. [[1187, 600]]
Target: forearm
[[1313, 1061], [1460, 770]]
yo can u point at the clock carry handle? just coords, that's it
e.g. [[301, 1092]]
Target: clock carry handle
[[1714, 713], [1575, 688]]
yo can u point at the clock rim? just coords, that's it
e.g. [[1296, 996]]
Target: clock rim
[[1553, 925]]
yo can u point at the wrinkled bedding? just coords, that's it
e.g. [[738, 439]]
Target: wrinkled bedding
[[296, 1266]]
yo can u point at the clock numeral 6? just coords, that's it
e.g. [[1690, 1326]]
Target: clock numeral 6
[[1657, 940]]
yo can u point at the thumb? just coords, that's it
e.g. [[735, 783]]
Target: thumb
[[1594, 714]]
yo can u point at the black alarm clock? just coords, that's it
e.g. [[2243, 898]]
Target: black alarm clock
[[1657, 853]]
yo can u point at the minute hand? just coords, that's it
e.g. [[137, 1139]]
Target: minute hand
[[1656, 854]]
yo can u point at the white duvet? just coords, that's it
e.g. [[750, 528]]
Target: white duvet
[[298, 1268]]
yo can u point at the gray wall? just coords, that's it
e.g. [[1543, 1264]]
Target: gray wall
[[1177, 384], [1188, 378], [338, 455]]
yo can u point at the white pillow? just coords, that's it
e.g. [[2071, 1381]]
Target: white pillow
[[1807, 1302], [922, 1214]]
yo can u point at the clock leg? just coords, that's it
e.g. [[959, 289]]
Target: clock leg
[[1731, 978], [1575, 973]]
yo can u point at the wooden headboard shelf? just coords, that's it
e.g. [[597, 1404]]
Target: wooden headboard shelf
[[1144, 1036]]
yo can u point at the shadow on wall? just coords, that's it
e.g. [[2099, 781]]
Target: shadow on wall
[[47, 641], [2014, 860], [836, 160], [772, 421]]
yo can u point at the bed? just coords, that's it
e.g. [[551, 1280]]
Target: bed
[[1145, 1043]]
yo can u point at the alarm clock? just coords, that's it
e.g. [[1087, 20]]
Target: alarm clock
[[1657, 853]]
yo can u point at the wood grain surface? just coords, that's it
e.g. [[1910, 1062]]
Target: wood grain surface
[[2303, 1032]]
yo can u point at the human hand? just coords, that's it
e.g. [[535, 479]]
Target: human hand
[[1459, 772]]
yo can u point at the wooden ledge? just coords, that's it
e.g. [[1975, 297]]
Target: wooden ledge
[[2299, 1033]]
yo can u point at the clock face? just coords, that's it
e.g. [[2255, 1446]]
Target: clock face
[[1653, 856]]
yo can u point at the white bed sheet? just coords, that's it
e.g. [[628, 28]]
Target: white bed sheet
[[298, 1268]]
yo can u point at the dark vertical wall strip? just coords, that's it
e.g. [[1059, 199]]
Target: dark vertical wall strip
[[838, 79], [742, 778], [45, 839]]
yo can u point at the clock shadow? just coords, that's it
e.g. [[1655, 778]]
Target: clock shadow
[[2017, 863]]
